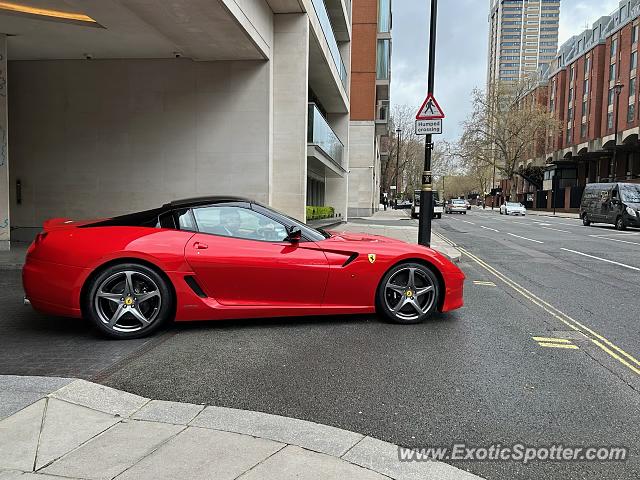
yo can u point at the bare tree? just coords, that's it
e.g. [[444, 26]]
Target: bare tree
[[411, 160], [507, 124]]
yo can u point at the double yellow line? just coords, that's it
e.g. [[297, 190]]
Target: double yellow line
[[606, 345]]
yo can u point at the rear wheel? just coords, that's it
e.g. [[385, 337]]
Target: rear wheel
[[128, 300], [585, 220], [620, 223], [408, 293]]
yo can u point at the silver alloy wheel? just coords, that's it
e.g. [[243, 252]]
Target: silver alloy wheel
[[409, 293], [127, 301]]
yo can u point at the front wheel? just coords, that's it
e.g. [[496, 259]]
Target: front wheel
[[585, 220], [620, 224], [128, 300], [408, 293]]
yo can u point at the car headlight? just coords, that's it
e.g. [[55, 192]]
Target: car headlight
[[631, 211]]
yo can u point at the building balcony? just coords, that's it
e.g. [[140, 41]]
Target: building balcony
[[325, 23], [325, 151], [383, 68], [382, 118]]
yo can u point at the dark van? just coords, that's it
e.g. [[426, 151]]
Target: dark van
[[614, 203]]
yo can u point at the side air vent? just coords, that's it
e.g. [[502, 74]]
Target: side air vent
[[350, 259], [194, 286]]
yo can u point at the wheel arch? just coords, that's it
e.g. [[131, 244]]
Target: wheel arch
[[116, 261], [431, 266]]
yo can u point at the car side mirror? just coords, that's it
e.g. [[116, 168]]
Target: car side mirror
[[294, 234]]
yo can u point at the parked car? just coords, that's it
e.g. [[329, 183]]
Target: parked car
[[437, 205], [403, 204], [456, 205], [218, 258], [512, 208], [614, 203]]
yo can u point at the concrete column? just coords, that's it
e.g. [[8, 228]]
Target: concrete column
[[4, 149], [288, 183], [337, 189]]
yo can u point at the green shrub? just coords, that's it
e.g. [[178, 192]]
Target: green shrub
[[318, 213]]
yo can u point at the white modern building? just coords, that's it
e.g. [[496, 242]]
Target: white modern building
[[111, 106], [523, 35]]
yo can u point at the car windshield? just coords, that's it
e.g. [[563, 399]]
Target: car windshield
[[459, 202], [511, 204], [630, 193], [313, 234]]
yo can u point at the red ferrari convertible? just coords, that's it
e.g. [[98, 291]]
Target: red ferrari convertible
[[225, 258]]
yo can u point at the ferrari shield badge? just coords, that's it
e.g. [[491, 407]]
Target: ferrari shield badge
[[372, 257]]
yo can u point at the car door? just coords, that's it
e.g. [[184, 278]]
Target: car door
[[241, 257]]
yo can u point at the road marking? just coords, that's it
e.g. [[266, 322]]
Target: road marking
[[558, 345], [488, 228], [630, 267], [617, 240], [470, 223], [601, 342], [552, 340], [556, 229], [626, 234], [486, 284], [524, 238]]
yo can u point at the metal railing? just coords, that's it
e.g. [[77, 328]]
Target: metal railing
[[320, 134], [323, 16]]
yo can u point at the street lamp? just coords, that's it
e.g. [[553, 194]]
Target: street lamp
[[617, 88], [398, 132]]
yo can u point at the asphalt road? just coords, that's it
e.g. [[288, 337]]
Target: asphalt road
[[474, 376]]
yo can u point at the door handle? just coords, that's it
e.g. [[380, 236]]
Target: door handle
[[200, 246]]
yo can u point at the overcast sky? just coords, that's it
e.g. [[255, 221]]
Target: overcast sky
[[461, 62]]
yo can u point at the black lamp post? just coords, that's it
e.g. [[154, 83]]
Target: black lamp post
[[398, 132], [426, 191], [613, 167]]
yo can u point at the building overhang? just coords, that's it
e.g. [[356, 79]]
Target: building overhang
[[320, 161], [200, 30]]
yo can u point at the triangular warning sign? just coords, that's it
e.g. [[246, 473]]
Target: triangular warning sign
[[430, 110]]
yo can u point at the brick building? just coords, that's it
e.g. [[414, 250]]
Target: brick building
[[592, 90]]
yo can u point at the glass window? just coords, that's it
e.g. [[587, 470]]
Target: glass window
[[631, 113], [382, 60], [634, 60], [611, 96], [583, 130], [587, 65], [632, 86], [584, 108], [585, 87], [612, 72], [634, 34], [610, 120], [239, 222], [614, 46], [384, 16]]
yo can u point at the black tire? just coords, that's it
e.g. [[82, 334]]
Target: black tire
[[585, 220], [620, 223], [439, 215], [157, 309], [428, 302]]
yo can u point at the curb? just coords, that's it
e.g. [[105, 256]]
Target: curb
[[36, 399]]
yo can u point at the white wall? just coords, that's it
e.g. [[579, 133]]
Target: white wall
[[290, 94], [96, 138], [362, 156]]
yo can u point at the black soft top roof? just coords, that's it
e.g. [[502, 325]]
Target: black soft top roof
[[149, 218]]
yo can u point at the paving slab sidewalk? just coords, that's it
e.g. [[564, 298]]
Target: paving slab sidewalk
[[397, 224], [74, 429]]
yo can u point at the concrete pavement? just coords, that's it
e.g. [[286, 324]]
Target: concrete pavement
[[64, 428]]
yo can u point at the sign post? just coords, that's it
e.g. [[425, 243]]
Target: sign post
[[430, 110]]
